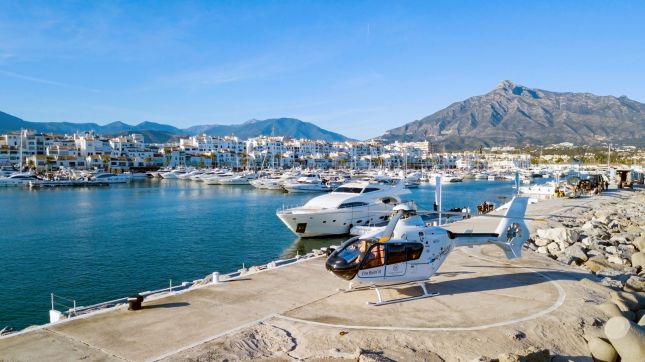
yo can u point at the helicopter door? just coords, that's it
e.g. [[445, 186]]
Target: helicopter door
[[373, 265], [395, 260]]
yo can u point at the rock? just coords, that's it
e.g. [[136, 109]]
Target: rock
[[576, 252], [559, 235], [594, 252], [588, 226], [611, 249], [612, 283], [508, 357], [515, 335], [639, 243], [602, 350], [482, 359], [638, 260], [627, 338], [615, 260], [610, 309], [596, 263], [620, 239], [613, 224], [554, 248], [636, 283], [633, 301], [373, 357], [542, 250], [541, 242], [534, 354], [586, 241]]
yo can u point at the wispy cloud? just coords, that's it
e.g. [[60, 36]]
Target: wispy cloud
[[46, 81], [249, 69]]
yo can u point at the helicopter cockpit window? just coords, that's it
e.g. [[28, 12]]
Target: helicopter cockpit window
[[375, 257], [396, 253], [414, 250], [351, 253]]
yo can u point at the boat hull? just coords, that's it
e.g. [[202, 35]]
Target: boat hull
[[332, 222]]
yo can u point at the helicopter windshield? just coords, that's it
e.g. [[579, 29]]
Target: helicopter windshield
[[345, 262]]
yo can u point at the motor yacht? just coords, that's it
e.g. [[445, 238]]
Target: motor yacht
[[353, 203], [242, 179], [273, 182], [18, 179], [308, 183], [172, 175], [112, 178]]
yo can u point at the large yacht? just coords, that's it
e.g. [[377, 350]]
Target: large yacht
[[354, 203], [112, 178], [18, 179]]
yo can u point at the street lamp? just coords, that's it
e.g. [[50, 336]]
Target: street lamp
[[608, 153]]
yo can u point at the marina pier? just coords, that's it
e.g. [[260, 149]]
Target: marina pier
[[298, 311]]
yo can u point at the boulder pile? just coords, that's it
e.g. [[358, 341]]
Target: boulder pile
[[607, 240]]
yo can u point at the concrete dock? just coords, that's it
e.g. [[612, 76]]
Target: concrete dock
[[297, 312]]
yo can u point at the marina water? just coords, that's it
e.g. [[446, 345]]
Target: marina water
[[98, 244]]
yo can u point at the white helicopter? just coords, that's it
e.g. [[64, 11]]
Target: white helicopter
[[407, 250]]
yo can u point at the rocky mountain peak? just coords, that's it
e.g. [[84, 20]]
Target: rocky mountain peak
[[506, 85], [515, 114]]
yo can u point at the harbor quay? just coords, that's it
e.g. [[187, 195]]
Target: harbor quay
[[544, 305]]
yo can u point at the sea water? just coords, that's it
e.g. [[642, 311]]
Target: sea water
[[97, 244]]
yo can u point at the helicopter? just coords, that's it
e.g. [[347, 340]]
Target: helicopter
[[409, 251]]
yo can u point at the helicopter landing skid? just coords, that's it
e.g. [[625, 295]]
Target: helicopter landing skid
[[426, 294]]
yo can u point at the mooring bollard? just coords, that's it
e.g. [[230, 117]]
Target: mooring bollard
[[216, 278]]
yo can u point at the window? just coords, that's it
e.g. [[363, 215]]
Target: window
[[396, 253], [352, 204], [370, 189], [375, 257], [414, 250], [349, 190]]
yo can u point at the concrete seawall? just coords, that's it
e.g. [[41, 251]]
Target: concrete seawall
[[487, 306]]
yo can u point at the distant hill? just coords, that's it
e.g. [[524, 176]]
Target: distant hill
[[158, 133], [289, 127], [513, 114]]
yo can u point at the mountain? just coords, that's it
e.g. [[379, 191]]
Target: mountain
[[158, 133], [289, 127], [513, 114]]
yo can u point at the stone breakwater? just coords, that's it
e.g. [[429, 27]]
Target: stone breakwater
[[607, 240]]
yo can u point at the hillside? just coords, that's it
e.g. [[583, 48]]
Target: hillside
[[513, 114], [156, 132]]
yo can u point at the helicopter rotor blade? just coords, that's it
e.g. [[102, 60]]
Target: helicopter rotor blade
[[457, 213]]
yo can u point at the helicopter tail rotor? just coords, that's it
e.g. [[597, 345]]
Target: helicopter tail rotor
[[512, 230]]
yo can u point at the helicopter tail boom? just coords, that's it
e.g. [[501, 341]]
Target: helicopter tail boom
[[511, 232]]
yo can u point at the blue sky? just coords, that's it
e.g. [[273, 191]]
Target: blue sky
[[354, 67]]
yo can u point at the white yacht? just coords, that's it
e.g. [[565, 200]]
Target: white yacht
[[112, 178], [172, 175], [18, 179], [307, 183], [240, 179], [354, 203], [6, 171], [273, 182], [445, 179]]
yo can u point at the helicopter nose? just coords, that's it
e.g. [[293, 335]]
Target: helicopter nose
[[341, 268]]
